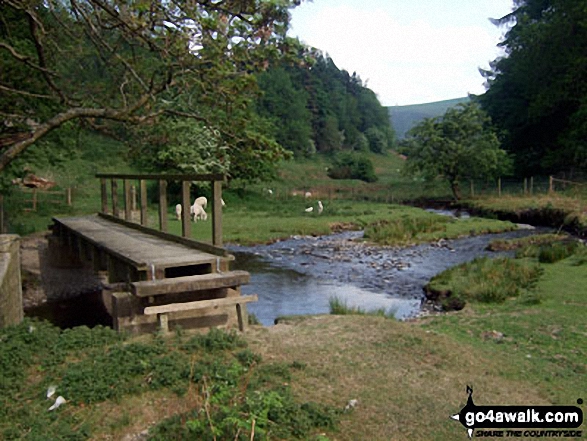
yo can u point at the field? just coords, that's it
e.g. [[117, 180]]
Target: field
[[294, 380], [297, 380]]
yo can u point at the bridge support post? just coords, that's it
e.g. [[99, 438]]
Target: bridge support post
[[11, 312]]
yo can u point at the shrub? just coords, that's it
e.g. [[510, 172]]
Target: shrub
[[556, 251], [349, 165]]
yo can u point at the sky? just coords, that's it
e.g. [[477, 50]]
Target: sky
[[406, 51]]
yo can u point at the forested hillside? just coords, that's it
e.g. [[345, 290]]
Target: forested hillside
[[403, 118], [318, 108], [223, 92]]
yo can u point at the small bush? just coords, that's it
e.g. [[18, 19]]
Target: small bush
[[349, 165]]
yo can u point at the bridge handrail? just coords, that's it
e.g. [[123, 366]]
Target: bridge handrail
[[215, 179], [166, 176]]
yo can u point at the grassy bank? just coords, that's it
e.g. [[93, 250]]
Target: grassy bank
[[555, 210], [259, 219], [513, 352]]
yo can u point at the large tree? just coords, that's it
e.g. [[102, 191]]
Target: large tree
[[537, 92], [96, 61], [458, 146]]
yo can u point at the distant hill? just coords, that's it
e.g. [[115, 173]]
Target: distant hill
[[403, 118]]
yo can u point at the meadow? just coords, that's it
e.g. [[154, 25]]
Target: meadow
[[296, 380]]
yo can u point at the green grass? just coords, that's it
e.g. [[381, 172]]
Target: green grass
[[416, 226], [545, 342], [233, 391], [484, 280], [341, 307], [557, 210], [522, 242]]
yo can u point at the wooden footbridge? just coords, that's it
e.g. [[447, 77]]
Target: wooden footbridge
[[153, 279]]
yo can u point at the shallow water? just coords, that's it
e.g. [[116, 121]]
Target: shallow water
[[300, 275]]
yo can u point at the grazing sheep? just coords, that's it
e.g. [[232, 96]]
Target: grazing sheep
[[309, 209], [201, 201], [222, 202], [320, 207], [178, 211], [308, 195], [198, 212]]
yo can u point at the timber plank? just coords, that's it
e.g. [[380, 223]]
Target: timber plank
[[199, 304], [190, 283]]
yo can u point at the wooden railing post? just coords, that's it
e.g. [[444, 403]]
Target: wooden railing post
[[143, 191], [133, 198], [104, 194], [499, 186], [68, 199], [550, 184], [127, 207], [163, 205], [114, 188], [217, 213], [186, 222]]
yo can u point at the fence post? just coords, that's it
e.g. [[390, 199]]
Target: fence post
[[114, 187], [472, 189], [525, 186], [531, 185], [68, 196], [143, 191], [186, 225], [163, 205], [550, 184], [217, 213], [127, 203], [499, 187], [133, 198]]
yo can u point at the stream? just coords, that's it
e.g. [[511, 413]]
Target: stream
[[300, 275]]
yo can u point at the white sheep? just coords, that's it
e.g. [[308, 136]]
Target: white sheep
[[320, 207], [198, 212], [178, 211], [308, 195], [201, 201], [309, 209]]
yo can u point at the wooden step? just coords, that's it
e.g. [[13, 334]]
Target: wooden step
[[229, 279], [162, 311]]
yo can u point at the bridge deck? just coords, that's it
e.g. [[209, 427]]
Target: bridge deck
[[141, 250]]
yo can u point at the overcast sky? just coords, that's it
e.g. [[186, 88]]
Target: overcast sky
[[408, 51]]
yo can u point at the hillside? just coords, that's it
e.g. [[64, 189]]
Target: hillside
[[403, 118]]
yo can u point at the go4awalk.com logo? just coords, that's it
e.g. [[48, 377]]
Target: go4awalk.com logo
[[520, 421]]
